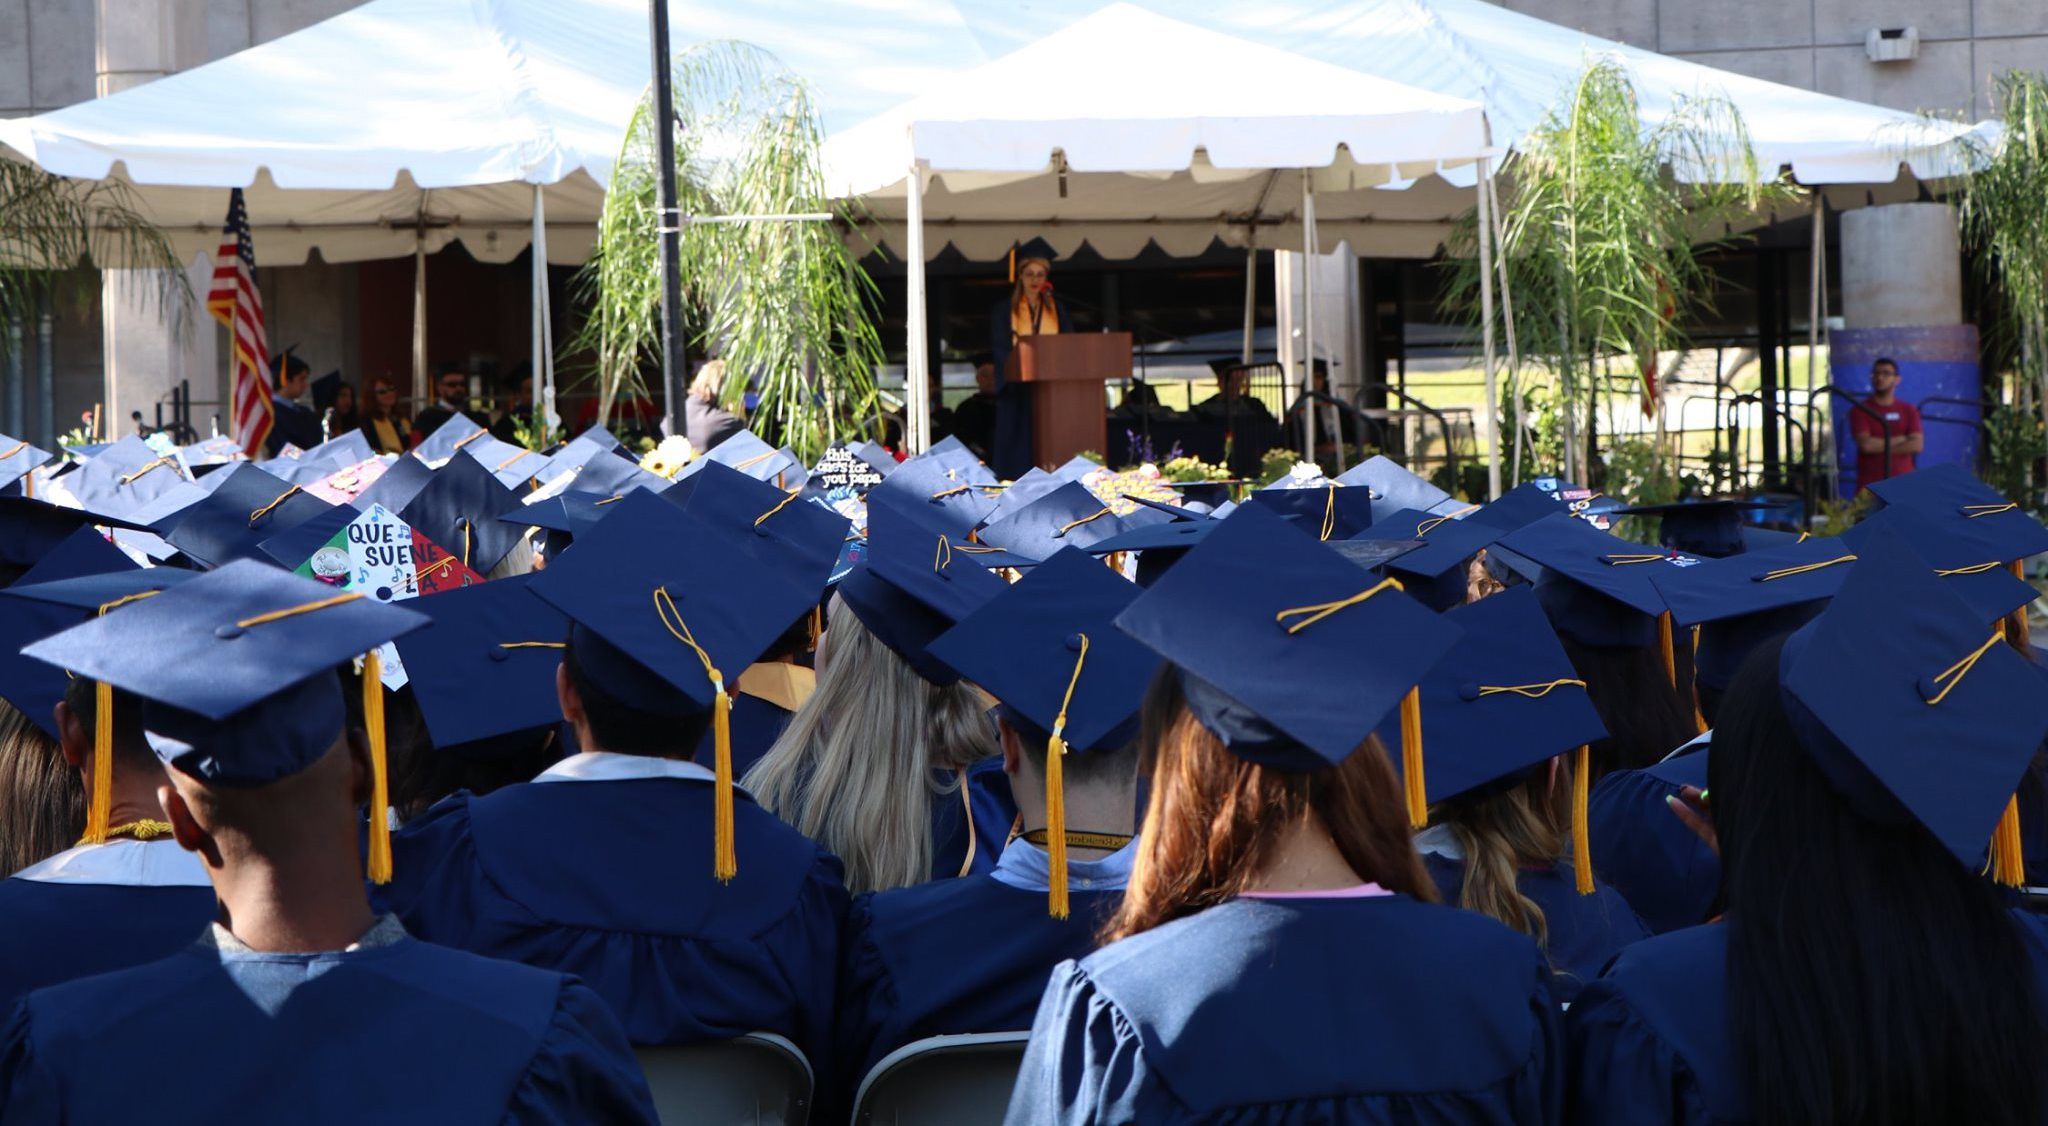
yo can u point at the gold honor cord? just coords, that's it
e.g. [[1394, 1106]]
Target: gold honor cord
[[724, 860], [272, 506], [1056, 794], [1090, 518]]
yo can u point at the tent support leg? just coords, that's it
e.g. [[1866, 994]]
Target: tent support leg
[[419, 314], [1308, 318], [916, 362], [1486, 330], [1251, 300]]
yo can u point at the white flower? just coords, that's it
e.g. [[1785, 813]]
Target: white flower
[[1304, 473], [669, 458]]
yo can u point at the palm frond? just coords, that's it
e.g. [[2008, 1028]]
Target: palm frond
[[49, 225]]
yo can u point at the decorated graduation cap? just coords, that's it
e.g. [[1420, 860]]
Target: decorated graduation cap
[[1504, 700], [486, 666], [1326, 511], [1395, 488], [1914, 709], [1968, 510], [458, 508], [236, 671], [1708, 528], [18, 459], [248, 507], [661, 602], [124, 477], [1434, 571], [1596, 587], [1523, 505], [1291, 674], [915, 584], [1047, 649], [1068, 516]]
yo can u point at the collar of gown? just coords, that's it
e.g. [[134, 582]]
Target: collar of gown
[[121, 863], [1026, 867], [1438, 840], [611, 766]]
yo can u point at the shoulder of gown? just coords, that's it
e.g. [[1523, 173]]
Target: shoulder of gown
[[57, 932], [583, 1071], [1648, 1041], [1667, 874]]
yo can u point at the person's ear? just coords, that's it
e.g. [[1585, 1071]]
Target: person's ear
[[1013, 748], [360, 780], [185, 828], [567, 697], [72, 739]]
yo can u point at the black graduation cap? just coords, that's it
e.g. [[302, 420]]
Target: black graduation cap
[[1033, 247], [286, 363], [249, 507], [459, 509], [1328, 511], [326, 389], [1709, 528]]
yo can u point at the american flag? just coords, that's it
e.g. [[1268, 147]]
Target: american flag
[[234, 302]]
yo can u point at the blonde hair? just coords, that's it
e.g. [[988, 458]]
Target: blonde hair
[[854, 770], [710, 382], [1501, 834]]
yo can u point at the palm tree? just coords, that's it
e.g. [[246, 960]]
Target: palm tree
[[783, 302]]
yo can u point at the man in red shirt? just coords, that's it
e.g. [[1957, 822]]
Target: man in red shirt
[[1901, 421]]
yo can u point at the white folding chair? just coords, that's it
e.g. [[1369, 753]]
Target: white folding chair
[[759, 1079], [943, 1081]]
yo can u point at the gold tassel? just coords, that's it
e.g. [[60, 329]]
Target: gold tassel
[[1411, 758], [817, 626], [2008, 865], [725, 862], [380, 779], [1056, 825], [1699, 718], [100, 803], [2022, 634], [1664, 640], [1013, 265], [1582, 848]]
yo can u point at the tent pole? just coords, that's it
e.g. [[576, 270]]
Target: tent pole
[[916, 364], [1816, 314], [419, 312], [543, 327], [1485, 216], [668, 222], [1308, 317], [1251, 297]]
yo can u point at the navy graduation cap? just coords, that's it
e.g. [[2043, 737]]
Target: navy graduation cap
[[1434, 570], [1394, 488], [1068, 516], [124, 477], [27, 614], [30, 529], [1075, 468], [402, 480], [952, 493], [915, 584], [1504, 700], [236, 671], [1709, 528], [577, 452], [1288, 653], [1596, 587], [448, 438], [662, 602], [1033, 484], [1968, 510], [18, 459], [746, 452], [1047, 649], [1523, 505], [512, 465], [608, 474], [1327, 511], [1915, 709], [458, 508], [1737, 604], [248, 507], [947, 543], [739, 503], [571, 513], [1967, 565], [486, 666], [877, 456]]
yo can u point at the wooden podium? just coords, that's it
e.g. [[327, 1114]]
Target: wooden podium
[[1066, 372]]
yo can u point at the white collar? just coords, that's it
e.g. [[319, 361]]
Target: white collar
[[1703, 739], [1026, 867], [121, 863], [1438, 840], [610, 766]]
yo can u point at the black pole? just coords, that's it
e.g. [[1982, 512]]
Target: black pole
[[1770, 329], [670, 223]]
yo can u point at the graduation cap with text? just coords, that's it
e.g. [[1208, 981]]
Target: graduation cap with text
[[236, 671], [1434, 571], [1048, 650], [1326, 511], [1708, 528], [249, 507], [1915, 709], [1967, 510], [486, 666], [1291, 674], [1507, 673], [458, 508], [18, 459], [916, 583]]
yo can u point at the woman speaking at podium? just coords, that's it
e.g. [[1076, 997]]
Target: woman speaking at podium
[[1030, 310]]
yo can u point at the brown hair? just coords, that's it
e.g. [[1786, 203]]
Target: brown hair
[[42, 802], [1525, 826], [1214, 819]]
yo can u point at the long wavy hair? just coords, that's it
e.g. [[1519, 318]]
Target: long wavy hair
[[42, 803], [1871, 978], [1215, 820], [862, 761], [1525, 826]]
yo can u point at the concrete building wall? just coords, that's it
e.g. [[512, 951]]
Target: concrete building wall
[[1819, 44]]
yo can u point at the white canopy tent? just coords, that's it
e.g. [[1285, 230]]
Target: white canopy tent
[[1177, 137]]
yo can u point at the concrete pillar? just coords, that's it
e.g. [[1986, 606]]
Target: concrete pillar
[[1902, 264], [146, 354]]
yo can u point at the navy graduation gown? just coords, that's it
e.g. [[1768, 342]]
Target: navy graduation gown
[[1585, 932], [399, 1032], [97, 908], [1649, 1041], [955, 956], [1645, 852], [756, 724], [971, 833], [611, 880], [1299, 1011]]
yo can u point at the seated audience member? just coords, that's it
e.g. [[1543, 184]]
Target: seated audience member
[[299, 1004], [1866, 968], [1501, 718], [293, 423], [1233, 397], [515, 407], [123, 895], [693, 911], [974, 417], [451, 398], [385, 426], [1046, 650], [1278, 956]]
